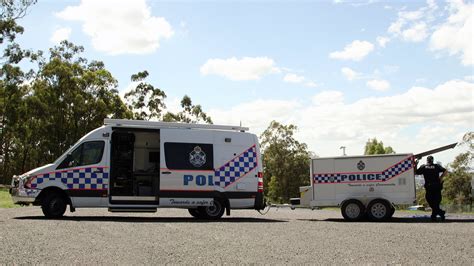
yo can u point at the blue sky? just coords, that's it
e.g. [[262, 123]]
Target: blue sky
[[342, 71]]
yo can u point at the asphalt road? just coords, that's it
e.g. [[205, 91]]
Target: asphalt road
[[92, 236]]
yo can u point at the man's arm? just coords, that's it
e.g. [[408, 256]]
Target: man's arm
[[418, 171], [443, 172]]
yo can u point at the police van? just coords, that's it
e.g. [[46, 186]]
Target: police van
[[139, 166]]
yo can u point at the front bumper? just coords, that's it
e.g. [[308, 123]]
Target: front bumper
[[23, 195]]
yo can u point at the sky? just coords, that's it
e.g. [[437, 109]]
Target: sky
[[342, 71]]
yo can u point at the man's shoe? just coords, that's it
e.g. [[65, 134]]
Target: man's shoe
[[433, 218], [442, 215]]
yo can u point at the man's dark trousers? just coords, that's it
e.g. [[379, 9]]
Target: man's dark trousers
[[433, 197]]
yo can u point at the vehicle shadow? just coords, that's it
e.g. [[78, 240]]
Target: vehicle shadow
[[132, 219], [398, 220]]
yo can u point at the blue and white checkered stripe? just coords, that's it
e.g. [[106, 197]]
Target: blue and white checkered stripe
[[387, 174], [236, 168], [327, 178], [397, 169], [94, 178]]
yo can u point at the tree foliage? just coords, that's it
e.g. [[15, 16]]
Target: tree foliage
[[373, 146], [64, 99], [190, 113], [457, 183], [146, 101], [285, 162], [47, 108]]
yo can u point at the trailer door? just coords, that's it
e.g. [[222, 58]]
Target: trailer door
[[322, 180]]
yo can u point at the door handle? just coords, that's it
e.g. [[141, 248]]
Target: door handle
[[166, 173]]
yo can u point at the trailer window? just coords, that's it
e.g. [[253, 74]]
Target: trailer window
[[86, 154], [189, 156]]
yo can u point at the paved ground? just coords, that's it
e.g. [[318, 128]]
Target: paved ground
[[91, 236]]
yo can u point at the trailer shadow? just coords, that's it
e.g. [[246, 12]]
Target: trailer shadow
[[399, 220], [132, 219]]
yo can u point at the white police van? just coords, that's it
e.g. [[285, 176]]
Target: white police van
[[139, 166]]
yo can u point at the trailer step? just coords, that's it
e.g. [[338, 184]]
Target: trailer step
[[129, 209]]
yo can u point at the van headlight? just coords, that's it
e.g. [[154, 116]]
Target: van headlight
[[15, 181], [26, 181]]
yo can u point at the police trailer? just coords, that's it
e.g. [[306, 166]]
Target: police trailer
[[139, 166], [362, 185]]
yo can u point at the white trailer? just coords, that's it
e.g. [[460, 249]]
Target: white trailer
[[361, 185]]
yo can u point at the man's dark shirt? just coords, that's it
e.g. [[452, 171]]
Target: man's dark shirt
[[431, 173]]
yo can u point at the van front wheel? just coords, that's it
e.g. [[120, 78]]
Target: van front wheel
[[54, 206]]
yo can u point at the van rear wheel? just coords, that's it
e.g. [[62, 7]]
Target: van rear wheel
[[214, 211], [352, 210], [195, 213], [54, 206]]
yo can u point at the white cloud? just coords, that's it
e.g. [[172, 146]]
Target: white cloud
[[356, 51], [119, 27], [456, 34], [247, 68], [411, 15], [469, 78], [60, 34], [328, 98], [382, 41], [293, 78], [412, 26], [416, 33], [311, 84], [378, 84], [349, 73], [333, 122]]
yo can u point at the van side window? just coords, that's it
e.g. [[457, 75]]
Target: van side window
[[189, 156], [86, 154]]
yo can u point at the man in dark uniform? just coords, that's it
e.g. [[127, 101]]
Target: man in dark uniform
[[433, 185]]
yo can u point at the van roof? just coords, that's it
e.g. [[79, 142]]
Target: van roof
[[157, 124]]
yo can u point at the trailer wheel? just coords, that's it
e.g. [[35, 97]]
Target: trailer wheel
[[392, 211], [213, 212], [352, 210], [54, 206], [379, 210]]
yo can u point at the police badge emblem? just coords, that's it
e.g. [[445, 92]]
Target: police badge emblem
[[197, 157], [361, 165]]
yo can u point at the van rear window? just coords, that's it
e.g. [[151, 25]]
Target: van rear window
[[189, 156]]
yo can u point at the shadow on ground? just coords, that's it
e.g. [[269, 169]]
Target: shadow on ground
[[398, 220], [131, 219]]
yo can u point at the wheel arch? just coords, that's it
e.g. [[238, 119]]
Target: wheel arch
[[50, 190]]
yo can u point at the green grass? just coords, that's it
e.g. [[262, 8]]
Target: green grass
[[6, 199]]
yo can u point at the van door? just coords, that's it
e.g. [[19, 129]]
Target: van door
[[134, 163], [187, 165], [84, 171]]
